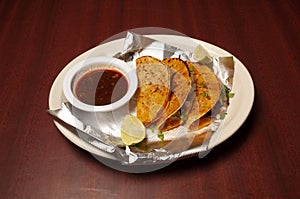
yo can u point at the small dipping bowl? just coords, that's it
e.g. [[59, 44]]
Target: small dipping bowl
[[89, 113]]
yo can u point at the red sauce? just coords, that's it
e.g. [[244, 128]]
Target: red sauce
[[101, 87]]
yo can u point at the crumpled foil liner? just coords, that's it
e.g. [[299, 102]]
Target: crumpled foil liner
[[179, 139]]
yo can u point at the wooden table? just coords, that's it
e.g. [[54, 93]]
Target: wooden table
[[38, 38]]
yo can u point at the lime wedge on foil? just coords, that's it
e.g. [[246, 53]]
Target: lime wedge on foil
[[133, 130]]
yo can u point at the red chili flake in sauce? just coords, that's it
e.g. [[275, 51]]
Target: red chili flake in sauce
[[101, 87]]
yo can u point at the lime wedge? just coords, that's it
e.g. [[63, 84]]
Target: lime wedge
[[201, 55], [133, 130]]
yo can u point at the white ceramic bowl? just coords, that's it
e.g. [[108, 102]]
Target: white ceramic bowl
[[95, 63]]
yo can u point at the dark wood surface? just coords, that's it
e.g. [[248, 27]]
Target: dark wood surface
[[38, 38]]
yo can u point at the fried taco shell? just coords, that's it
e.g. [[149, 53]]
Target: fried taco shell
[[203, 96], [154, 89], [180, 87]]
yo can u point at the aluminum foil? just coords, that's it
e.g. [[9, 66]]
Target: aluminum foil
[[135, 46], [180, 139]]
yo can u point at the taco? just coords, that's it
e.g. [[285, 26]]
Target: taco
[[180, 87], [154, 89], [203, 96]]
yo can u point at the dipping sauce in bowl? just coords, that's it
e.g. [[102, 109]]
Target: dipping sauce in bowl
[[101, 87], [100, 84]]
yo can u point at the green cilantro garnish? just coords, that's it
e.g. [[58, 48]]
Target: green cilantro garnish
[[152, 128], [227, 92], [230, 95], [205, 94], [174, 116], [192, 68], [223, 115], [184, 117], [203, 85], [226, 89], [148, 149], [160, 135]]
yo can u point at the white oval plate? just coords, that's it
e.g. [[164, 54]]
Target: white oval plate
[[240, 105]]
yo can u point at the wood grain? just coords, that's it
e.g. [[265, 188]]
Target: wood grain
[[38, 38]]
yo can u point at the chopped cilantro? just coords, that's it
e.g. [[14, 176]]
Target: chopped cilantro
[[223, 115], [184, 117], [160, 135], [226, 89], [148, 149], [230, 95], [203, 85], [205, 94], [152, 128], [174, 116], [192, 68], [227, 92]]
